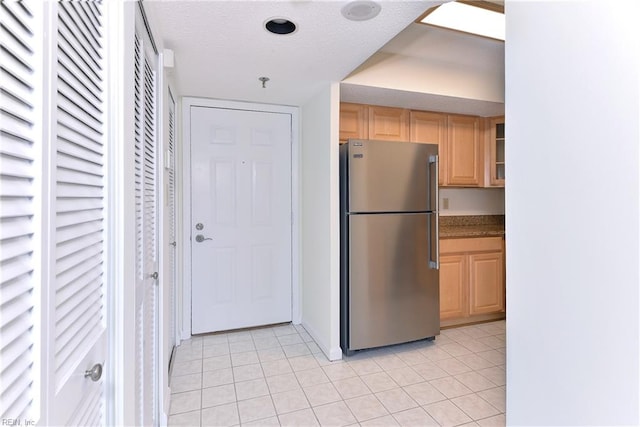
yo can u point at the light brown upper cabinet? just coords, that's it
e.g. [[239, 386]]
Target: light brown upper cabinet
[[431, 128], [465, 158], [495, 141], [461, 139], [387, 123], [353, 121]]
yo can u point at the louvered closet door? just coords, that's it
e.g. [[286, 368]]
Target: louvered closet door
[[77, 235], [171, 285], [146, 229], [19, 239]]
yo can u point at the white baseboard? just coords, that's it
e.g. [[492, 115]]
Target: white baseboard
[[332, 354]]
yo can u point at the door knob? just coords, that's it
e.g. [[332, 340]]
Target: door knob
[[173, 244], [154, 275], [200, 238], [94, 373]]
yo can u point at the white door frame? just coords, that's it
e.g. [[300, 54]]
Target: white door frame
[[185, 147]]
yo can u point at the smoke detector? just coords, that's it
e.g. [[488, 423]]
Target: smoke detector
[[361, 10]]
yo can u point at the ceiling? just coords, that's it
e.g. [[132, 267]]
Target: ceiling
[[468, 72], [221, 47], [221, 50]]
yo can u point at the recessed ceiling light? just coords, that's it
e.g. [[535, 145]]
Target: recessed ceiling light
[[361, 10], [280, 26], [469, 19]]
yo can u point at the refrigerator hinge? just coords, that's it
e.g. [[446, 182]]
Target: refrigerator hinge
[[433, 158]]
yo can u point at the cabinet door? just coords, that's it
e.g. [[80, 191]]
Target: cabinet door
[[464, 152], [486, 283], [353, 121], [453, 286], [431, 128], [496, 141], [389, 124]]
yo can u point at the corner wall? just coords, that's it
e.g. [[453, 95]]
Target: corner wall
[[320, 227], [572, 105], [472, 201]]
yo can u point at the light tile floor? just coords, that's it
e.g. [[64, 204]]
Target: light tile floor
[[278, 376]]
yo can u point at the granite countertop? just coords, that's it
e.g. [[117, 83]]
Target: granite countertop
[[471, 226]]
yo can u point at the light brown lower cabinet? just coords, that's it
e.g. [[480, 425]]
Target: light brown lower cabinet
[[472, 284]]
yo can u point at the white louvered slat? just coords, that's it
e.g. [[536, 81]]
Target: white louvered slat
[[13, 167], [18, 150], [18, 110], [72, 175], [68, 190], [79, 257], [72, 144], [79, 204], [89, 137], [17, 206], [77, 278], [80, 164], [71, 219], [76, 236], [17, 228], [14, 249]]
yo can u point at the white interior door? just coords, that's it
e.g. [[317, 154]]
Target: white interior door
[[21, 196], [146, 294], [171, 206], [240, 218], [77, 224]]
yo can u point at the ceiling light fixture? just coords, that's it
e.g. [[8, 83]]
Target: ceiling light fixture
[[467, 18], [361, 10], [280, 26]]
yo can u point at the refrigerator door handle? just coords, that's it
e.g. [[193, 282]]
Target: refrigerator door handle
[[434, 233], [434, 241], [434, 162]]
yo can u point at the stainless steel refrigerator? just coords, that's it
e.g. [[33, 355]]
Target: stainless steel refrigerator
[[389, 287]]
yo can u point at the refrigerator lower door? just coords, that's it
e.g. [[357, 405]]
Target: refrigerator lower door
[[393, 295]]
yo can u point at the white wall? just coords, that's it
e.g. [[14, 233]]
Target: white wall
[[320, 228], [472, 201], [450, 64], [572, 104]]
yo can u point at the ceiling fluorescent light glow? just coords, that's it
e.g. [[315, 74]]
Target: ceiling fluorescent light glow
[[469, 19]]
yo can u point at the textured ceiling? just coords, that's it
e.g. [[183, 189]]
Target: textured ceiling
[[221, 47]]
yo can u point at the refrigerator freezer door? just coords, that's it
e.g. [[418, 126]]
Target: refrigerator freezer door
[[393, 294], [389, 176]]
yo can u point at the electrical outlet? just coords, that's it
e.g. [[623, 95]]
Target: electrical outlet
[[445, 203]]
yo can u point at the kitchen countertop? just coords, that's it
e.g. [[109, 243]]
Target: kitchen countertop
[[471, 226]]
